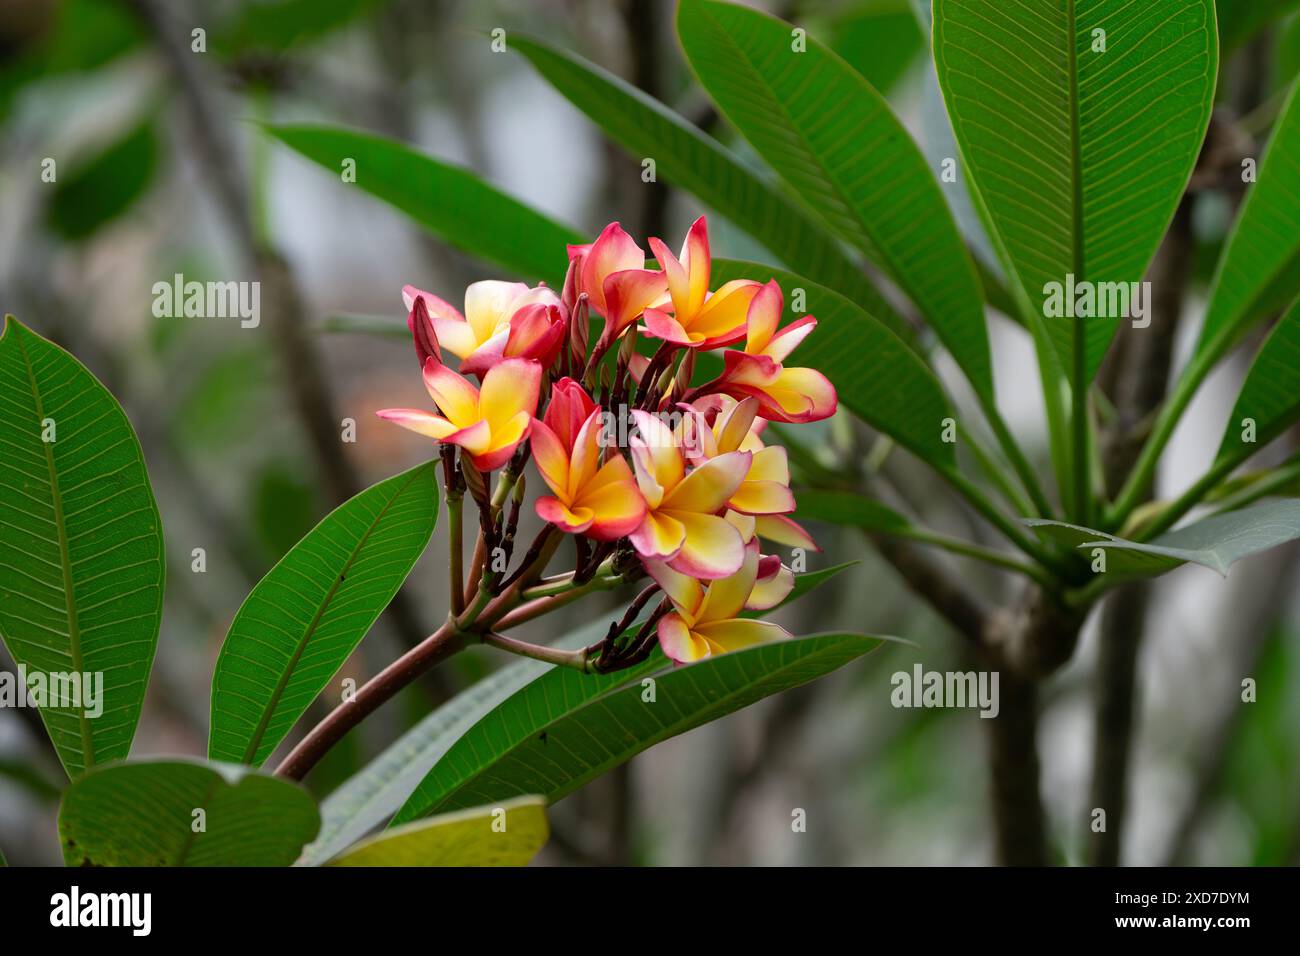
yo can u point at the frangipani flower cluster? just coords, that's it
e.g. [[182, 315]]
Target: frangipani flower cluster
[[649, 473]]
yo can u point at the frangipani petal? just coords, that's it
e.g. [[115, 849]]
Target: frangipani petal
[[784, 342], [477, 440], [569, 408], [455, 397], [489, 304], [780, 529], [770, 464], [509, 388], [627, 295], [677, 641], [725, 597], [763, 318], [658, 536], [418, 421], [711, 547], [613, 251], [572, 521], [762, 498], [551, 458], [684, 591], [738, 634], [721, 320], [772, 585], [614, 501], [437, 307], [708, 488]]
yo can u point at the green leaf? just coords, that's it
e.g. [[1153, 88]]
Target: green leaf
[[104, 186], [372, 796], [847, 508], [280, 26], [506, 834], [1270, 396], [1259, 272], [81, 545], [449, 201], [1079, 157], [1241, 19], [832, 137], [566, 728], [1216, 542], [876, 374], [303, 620], [699, 164], [880, 39], [144, 814]]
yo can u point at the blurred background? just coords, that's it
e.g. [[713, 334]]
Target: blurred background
[[162, 169]]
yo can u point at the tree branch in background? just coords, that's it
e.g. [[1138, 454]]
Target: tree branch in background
[[1141, 370], [218, 159], [1269, 588], [1020, 822]]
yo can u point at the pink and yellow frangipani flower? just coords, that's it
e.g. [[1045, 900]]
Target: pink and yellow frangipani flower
[[489, 423], [705, 620], [785, 394], [766, 488], [501, 320], [700, 319], [682, 525], [600, 501], [612, 272]]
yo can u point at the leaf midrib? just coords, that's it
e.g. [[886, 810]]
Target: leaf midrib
[[65, 559], [188, 845], [268, 711], [1079, 334], [664, 733]]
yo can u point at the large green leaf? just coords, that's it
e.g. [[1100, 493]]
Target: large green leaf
[[300, 623], [1270, 396], [81, 545], [147, 814], [1079, 157], [687, 157], [566, 728], [507, 834], [371, 797], [1216, 542], [832, 137], [876, 374], [451, 202], [1259, 272]]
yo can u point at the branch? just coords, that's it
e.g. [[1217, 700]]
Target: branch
[[1141, 372], [215, 154]]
